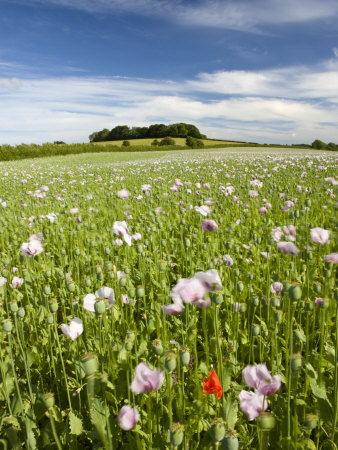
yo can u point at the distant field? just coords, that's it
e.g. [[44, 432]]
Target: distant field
[[180, 141]]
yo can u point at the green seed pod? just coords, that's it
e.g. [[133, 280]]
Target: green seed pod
[[50, 319], [302, 278], [325, 303], [62, 251], [308, 202], [21, 312], [108, 266], [250, 276], [298, 335], [217, 429], [311, 421], [296, 213], [140, 292], [286, 285], [71, 286], [275, 302], [309, 306], [88, 282], [170, 361], [240, 286], [217, 298], [236, 249], [13, 306], [123, 281], [53, 305], [100, 306], [277, 316], [107, 250], [317, 287], [266, 421], [327, 273], [243, 307], [131, 292], [7, 326], [176, 434], [295, 292], [89, 363], [157, 347], [187, 243], [230, 443], [139, 248], [255, 301], [77, 252], [48, 274], [255, 329], [296, 362], [49, 400], [184, 357], [47, 290], [236, 272], [128, 344], [328, 265], [286, 273]]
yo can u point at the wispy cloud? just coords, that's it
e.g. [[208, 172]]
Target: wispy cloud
[[244, 15], [281, 105]]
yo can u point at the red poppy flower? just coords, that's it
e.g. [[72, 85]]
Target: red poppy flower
[[212, 386]]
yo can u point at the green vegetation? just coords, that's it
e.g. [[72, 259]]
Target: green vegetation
[[122, 132], [320, 145]]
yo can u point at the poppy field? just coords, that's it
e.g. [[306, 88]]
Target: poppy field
[[173, 300]]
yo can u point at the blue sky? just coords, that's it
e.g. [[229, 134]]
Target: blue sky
[[252, 70]]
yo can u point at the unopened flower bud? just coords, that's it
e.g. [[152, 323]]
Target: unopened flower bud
[[255, 329], [184, 357], [311, 421], [77, 252], [13, 306]]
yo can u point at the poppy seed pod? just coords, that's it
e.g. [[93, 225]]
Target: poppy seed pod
[[128, 344], [53, 305], [139, 292], [47, 290], [295, 292], [187, 243], [308, 202], [184, 357], [240, 286], [217, 298], [311, 421], [266, 421], [170, 361], [89, 363], [176, 434], [71, 286], [325, 303], [255, 329], [309, 306], [236, 272], [296, 362], [63, 251], [230, 442], [21, 312], [255, 301], [243, 307], [275, 302], [7, 326], [50, 319], [217, 429], [77, 252], [317, 287], [277, 316], [49, 400], [107, 250], [13, 306], [100, 306], [131, 292], [88, 282], [123, 281], [157, 347]]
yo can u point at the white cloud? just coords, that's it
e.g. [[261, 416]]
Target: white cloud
[[281, 105], [335, 52], [10, 83], [245, 15]]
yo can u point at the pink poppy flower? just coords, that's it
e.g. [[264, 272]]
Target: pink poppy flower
[[276, 287], [173, 309], [203, 303], [276, 234], [290, 232], [106, 293], [333, 257], [252, 403], [263, 210], [229, 261], [124, 194], [146, 380], [209, 225], [189, 290], [259, 378], [320, 236], [16, 282], [128, 417], [210, 280], [318, 301], [204, 210], [32, 248], [178, 182], [288, 248], [206, 186], [121, 229], [331, 180], [74, 330], [74, 210]]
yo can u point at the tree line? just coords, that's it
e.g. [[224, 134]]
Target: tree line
[[320, 145], [123, 132]]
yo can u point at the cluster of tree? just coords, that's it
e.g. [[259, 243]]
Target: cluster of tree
[[123, 132], [320, 145]]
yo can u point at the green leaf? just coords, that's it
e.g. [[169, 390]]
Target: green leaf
[[310, 371], [75, 424], [317, 391], [230, 410]]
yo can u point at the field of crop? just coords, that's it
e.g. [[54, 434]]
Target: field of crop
[[179, 141], [169, 300]]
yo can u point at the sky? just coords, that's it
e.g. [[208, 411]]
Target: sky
[[261, 71]]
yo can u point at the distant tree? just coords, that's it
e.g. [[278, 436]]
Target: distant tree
[[118, 133], [194, 143], [332, 146], [157, 130], [320, 145], [99, 136], [58, 142], [125, 144], [155, 142], [167, 141]]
